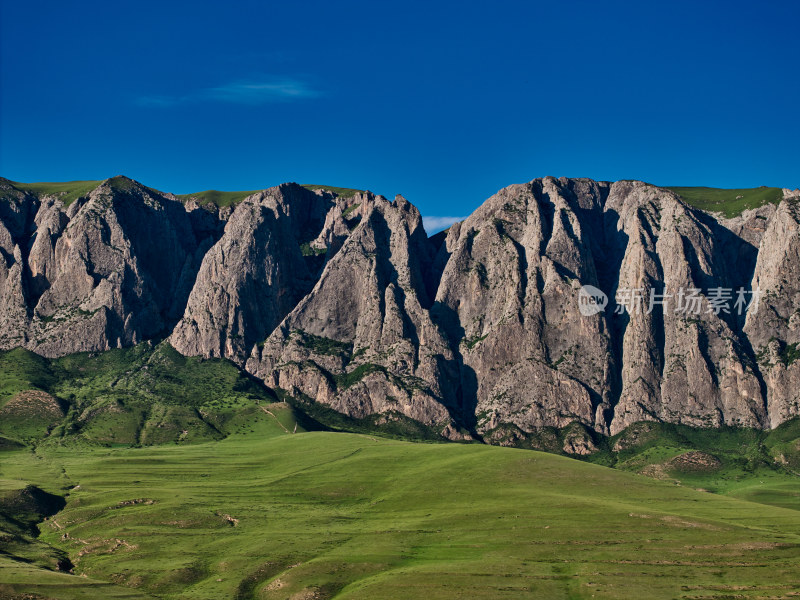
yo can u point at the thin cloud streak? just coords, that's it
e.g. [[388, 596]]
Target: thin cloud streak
[[435, 224], [253, 92]]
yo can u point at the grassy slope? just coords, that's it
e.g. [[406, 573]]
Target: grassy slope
[[144, 396], [365, 516], [729, 202], [219, 198], [339, 191], [69, 191], [130, 396], [231, 198], [23, 370], [356, 516], [762, 466]]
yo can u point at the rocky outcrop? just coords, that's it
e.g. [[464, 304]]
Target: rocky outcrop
[[773, 325], [682, 366], [264, 264], [491, 330], [113, 268], [16, 213], [363, 340], [507, 299], [509, 292]]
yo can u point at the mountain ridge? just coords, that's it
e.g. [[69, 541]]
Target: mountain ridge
[[343, 299]]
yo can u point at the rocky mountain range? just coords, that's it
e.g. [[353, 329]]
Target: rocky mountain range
[[343, 299]]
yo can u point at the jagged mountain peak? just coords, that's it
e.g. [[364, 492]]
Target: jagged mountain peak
[[121, 182], [338, 296]]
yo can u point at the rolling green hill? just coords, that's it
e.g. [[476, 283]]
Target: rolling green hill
[[148, 395], [135, 396], [744, 463], [150, 474], [324, 515], [151, 394]]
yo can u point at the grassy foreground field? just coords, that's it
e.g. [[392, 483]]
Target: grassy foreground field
[[323, 515]]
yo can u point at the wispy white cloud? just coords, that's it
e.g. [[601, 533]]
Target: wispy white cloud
[[253, 92], [434, 224], [257, 92]]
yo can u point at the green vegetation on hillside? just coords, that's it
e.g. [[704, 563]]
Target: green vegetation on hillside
[[350, 209], [149, 395], [727, 460], [221, 199], [22, 370], [218, 198], [68, 191], [339, 191], [322, 345], [306, 249], [132, 396], [327, 515], [730, 203], [185, 478], [722, 460]]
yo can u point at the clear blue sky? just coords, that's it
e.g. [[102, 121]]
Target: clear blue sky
[[442, 102]]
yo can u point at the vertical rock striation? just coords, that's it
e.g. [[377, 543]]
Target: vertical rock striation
[[363, 340], [345, 301]]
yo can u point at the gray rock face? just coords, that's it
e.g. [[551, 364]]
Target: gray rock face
[[773, 328], [345, 301], [112, 269], [507, 299], [687, 367], [266, 261], [16, 212], [529, 358], [363, 340]]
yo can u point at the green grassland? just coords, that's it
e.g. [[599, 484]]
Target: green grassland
[[339, 191], [134, 396], [67, 191], [323, 515], [222, 199], [218, 198], [763, 466], [141, 473], [730, 203]]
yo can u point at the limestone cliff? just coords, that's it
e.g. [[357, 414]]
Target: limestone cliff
[[344, 300]]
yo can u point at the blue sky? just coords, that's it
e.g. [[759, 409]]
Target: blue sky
[[442, 102]]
